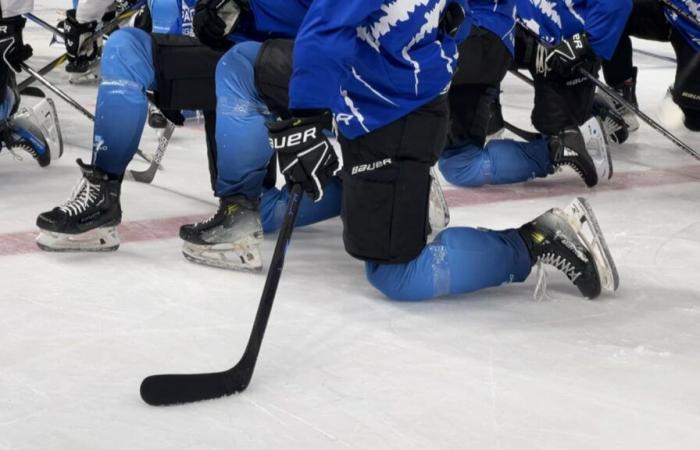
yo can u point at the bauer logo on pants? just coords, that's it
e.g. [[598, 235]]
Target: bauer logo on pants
[[371, 166]]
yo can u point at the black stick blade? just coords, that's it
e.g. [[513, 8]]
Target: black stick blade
[[164, 390]]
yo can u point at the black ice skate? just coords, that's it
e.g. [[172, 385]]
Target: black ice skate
[[36, 131], [230, 239], [585, 150], [156, 119], [614, 124], [88, 220], [628, 91], [571, 241]]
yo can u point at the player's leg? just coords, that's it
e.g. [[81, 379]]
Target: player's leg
[[231, 237], [273, 206], [563, 113], [685, 92], [385, 216], [463, 260], [33, 130], [498, 162], [646, 21]]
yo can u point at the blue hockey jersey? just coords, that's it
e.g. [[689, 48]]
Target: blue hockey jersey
[[554, 20], [280, 18], [688, 30], [371, 61], [172, 16], [497, 16]]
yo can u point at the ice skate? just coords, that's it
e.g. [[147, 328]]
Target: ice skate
[[571, 240], [36, 131], [439, 211], [156, 119], [628, 91], [230, 239], [584, 150], [614, 125], [88, 220]]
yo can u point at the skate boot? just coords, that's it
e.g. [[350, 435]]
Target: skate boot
[[628, 91], [230, 239], [156, 119], [88, 220], [584, 150], [438, 212], [614, 124], [35, 130], [571, 241]]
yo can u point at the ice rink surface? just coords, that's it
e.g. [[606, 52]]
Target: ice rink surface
[[341, 367]]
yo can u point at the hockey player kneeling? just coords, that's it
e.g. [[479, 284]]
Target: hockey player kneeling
[[395, 127]]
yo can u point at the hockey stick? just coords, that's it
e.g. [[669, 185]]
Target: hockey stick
[[162, 390], [107, 28], [65, 97], [656, 55], [147, 175], [618, 98], [45, 25], [681, 12]]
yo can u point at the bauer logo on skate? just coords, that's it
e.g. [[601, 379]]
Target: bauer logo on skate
[[371, 166]]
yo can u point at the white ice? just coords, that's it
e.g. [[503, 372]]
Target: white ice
[[342, 367]]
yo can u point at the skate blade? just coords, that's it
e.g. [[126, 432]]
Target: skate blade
[[89, 77], [239, 257], [581, 217], [98, 240], [438, 211]]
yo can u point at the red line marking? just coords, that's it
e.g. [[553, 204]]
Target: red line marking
[[168, 228]]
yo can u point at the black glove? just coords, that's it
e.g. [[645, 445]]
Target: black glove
[[564, 58], [214, 20], [12, 48], [304, 153], [80, 56]]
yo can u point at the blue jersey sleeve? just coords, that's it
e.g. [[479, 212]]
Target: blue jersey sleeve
[[604, 22], [325, 43]]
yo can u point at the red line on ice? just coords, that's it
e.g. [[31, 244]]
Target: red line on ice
[[168, 228]]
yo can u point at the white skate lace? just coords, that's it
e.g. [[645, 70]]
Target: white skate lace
[[84, 194], [560, 263]]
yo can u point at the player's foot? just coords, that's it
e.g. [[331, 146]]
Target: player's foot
[[88, 220], [36, 131], [571, 240], [230, 239], [628, 91], [84, 72], [584, 150], [614, 124], [156, 119], [439, 212]]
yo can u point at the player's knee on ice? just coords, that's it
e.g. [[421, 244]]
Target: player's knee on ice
[[128, 56], [499, 162], [459, 260]]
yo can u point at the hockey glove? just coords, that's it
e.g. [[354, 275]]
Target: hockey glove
[[12, 48], [304, 153], [80, 56], [214, 20], [563, 59]]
